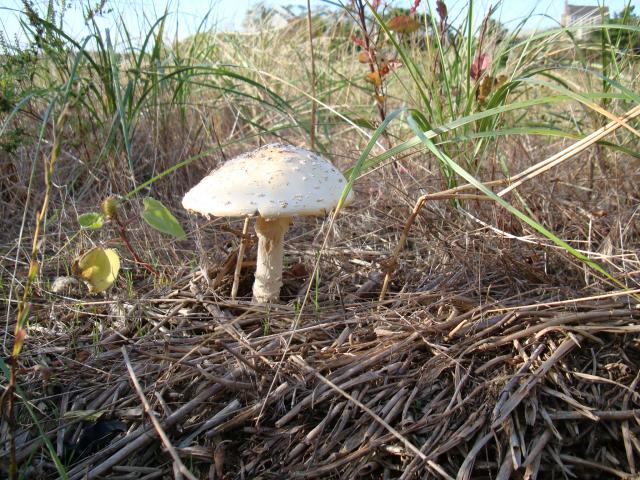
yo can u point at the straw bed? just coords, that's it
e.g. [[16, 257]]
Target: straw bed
[[422, 385]]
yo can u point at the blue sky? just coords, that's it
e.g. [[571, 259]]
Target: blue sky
[[228, 14]]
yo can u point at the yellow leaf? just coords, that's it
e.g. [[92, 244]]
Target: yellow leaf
[[363, 57], [98, 267], [485, 88], [374, 77]]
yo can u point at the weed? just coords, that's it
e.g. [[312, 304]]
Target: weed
[[266, 322]]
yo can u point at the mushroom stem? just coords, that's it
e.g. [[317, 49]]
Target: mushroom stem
[[266, 287]]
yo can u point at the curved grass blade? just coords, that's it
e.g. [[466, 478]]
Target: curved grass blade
[[357, 168], [415, 141], [41, 433], [506, 205], [119, 103]]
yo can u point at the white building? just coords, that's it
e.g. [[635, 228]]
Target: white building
[[583, 15]]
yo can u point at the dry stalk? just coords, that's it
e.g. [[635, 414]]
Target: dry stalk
[[240, 259], [570, 151], [178, 465], [8, 396]]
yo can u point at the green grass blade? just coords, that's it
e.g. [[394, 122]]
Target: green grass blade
[[357, 168], [41, 433], [506, 205], [415, 141]]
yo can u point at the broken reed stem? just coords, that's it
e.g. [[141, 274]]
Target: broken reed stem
[[156, 424], [570, 151], [298, 360], [390, 265], [238, 269], [513, 182]]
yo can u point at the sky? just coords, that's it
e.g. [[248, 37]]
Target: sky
[[186, 15]]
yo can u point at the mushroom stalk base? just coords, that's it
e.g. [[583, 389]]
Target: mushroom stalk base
[[266, 287]]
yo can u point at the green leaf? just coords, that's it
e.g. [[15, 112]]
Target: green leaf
[[364, 123], [91, 220], [160, 218]]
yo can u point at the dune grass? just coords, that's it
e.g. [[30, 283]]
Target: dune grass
[[449, 136]]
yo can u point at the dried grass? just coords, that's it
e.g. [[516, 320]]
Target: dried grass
[[493, 356]]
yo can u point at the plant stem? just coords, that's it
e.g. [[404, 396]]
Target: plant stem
[[312, 127], [373, 62], [23, 307], [122, 231]]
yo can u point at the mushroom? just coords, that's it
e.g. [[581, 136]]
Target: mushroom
[[275, 183]]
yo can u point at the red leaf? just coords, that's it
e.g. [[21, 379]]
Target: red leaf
[[21, 336], [480, 65], [358, 41], [415, 7], [442, 9]]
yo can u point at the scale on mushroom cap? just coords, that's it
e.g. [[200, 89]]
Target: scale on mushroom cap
[[275, 183]]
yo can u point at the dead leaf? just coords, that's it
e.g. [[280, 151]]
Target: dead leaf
[[403, 24], [374, 77]]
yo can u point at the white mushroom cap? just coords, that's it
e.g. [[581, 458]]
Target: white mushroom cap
[[273, 181]]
